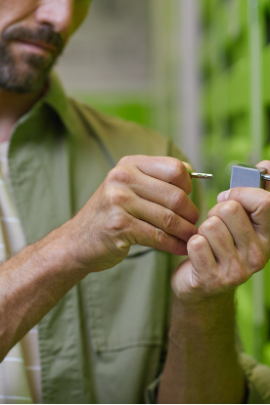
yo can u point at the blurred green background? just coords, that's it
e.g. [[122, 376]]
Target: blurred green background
[[198, 72]]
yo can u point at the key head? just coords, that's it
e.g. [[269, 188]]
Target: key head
[[244, 176]]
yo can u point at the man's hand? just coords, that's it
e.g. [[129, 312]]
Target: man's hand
[[231, 245], [144, 200]]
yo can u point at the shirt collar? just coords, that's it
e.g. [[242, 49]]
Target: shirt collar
[[57, 99]]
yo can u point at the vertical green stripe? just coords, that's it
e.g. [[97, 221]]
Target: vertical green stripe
[[257, 143]]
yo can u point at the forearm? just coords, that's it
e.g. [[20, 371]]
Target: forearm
[[202, 364], [127, 209], [31, 284]]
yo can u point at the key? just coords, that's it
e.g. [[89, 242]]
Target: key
[[200, 175], [245, 176]]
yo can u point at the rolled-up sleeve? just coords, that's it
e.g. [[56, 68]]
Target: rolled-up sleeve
[[258, 380]]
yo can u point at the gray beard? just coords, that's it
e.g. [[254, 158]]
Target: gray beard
[[32, 79]]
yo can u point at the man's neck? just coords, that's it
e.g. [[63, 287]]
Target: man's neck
[[12, 107]]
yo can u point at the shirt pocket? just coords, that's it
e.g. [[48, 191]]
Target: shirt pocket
[[129, 305]]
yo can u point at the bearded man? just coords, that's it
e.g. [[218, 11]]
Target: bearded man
[[81, 193]]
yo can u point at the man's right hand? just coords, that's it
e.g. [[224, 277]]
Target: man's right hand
[[144, 200]]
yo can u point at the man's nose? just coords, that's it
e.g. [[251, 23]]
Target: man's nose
[[57, 14]]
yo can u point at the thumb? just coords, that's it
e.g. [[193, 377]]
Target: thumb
[[188, 166]]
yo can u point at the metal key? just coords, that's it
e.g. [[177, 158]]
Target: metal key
[[200, 175]]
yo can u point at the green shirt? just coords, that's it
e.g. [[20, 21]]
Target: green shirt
[[106, 340]]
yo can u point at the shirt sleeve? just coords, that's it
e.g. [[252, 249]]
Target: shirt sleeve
[[258, 380], [152, 391]]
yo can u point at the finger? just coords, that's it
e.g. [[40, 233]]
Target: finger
[[167, 169], [255, 201], [265, 164], [219, 238], [237, 221], [251, 247], [162, 218], [167, 195], [188, 166], [201, 255], [145, 234]]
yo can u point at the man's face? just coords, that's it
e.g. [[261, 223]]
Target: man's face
[[33, 33]]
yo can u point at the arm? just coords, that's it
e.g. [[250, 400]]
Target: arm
[[202, 364], [144, 200], [233, 244]]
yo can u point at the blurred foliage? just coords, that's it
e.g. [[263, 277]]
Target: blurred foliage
[[227, 113]]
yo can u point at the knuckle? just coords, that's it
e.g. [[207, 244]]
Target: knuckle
[[120, 174], [115, 197], [230, 208], [196, 243], [177, 200], [117, 222], [177, 168], [124, 160], [257, 259], [169, 220], [209, 225], [160, 237]]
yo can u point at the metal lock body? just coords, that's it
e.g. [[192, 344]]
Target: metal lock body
[[245, 176]]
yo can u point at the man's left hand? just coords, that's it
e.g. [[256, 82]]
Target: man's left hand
[[231, 245]]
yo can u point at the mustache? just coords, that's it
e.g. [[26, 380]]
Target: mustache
[[43, 33]]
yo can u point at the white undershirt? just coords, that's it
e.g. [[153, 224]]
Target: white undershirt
[[20, 372]]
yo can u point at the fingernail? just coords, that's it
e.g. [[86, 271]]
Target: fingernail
[[223, 196]]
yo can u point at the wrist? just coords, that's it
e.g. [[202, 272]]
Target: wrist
[[59, 253], [205, 315]]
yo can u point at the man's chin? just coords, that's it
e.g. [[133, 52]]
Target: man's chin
[[24, 68], [24, 80]]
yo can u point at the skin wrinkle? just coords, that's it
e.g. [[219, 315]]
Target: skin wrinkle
[[220, 260], [61, 260], [219, 227], [178, 202], [262, 206]]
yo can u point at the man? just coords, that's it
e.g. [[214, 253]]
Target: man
[[103, 334]]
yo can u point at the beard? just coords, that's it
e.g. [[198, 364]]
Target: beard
[[27, 72]]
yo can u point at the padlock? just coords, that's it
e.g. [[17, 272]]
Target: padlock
[[246, 176]]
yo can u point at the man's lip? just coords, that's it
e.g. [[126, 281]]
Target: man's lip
[[38, 44]]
